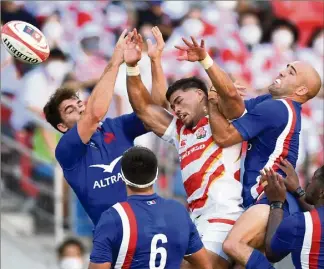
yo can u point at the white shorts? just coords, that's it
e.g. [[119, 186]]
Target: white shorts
[[213, 233]]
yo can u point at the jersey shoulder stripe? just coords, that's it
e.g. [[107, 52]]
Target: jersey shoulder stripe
[[129, 240]]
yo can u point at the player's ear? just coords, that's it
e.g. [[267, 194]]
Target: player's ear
[[302, 90], [62, 127], [321, 194], [201, 95]]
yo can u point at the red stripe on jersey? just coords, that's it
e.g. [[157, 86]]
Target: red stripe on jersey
[[202, 201], [316, 240], [287, 141], [193, 153], [133, 235], [286, 144], [225, 221], [39, 53], [204, 121], [194, 181], [179, 125], [237, 175]]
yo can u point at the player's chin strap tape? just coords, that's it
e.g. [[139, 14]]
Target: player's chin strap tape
[[140, 186]]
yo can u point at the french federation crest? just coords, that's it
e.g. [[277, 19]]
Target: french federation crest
[[201, 133]]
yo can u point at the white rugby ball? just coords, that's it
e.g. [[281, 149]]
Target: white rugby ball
[[25, 42]]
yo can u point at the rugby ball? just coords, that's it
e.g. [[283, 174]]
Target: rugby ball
[[25, 42]]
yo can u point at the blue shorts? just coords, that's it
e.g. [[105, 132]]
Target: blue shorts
[[291, 204]]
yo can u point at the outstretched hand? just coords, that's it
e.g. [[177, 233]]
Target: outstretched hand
[[274, 186], [118, 54], [154, 51], [291, 181], [192, 51], [133, 48]]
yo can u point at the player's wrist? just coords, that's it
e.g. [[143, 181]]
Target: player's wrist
[[299, 192], [276, 205], [207, 62], [132, 70]]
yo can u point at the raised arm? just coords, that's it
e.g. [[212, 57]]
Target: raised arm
[[229, 99], [101, 96], [159, 84], [277, 247], [293, 185], [224, 133], [153, 116]]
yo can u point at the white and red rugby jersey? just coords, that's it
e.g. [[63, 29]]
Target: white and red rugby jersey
[[210, 174]]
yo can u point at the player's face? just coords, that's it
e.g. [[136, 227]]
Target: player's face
[[71, 111], [288, 82], [314, 191], [187, 105]]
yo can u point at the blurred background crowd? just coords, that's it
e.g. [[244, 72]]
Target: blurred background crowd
[[251, 40]]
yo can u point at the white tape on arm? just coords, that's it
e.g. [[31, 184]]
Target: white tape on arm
[[132, 70], [207, 62]]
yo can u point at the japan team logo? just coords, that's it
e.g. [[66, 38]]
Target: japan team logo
[[201, 133]]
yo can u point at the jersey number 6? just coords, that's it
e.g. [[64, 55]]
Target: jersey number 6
[[160, 250]]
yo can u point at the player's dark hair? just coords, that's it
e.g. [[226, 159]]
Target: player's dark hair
[[68, 242], [319, 174], [51, 109], [186, 84], [139, 165]]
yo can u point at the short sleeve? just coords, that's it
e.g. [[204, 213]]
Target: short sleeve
[[131, 124], [195, 243], [251, 103], [171, 134], [283, 241], [267, 114], [70, 149], [104, 237]]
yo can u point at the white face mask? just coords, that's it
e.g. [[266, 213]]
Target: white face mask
[[283, 38], [251, 34], [53, 31], [71, 263], [57, 70], [194, 27], [318, 45]]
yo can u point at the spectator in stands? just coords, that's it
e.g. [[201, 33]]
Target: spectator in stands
[[153, 14], [314, 52], [268, 58], [70, 254], [38, 85], [11, 10], [250, 28], [53, 30]]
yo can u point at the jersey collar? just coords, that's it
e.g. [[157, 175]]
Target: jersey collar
[[143, 197]]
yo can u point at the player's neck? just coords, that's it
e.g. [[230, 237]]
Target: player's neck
[[293, 98], [149, 191]]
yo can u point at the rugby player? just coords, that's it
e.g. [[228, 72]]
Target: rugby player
[[146, 231], [300, 234], [210, 174], [271, 126], [90, 149]]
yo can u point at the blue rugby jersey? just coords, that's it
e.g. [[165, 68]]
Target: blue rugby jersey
[[93, 170], [145, 232], [271, 127], [302, 235]]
